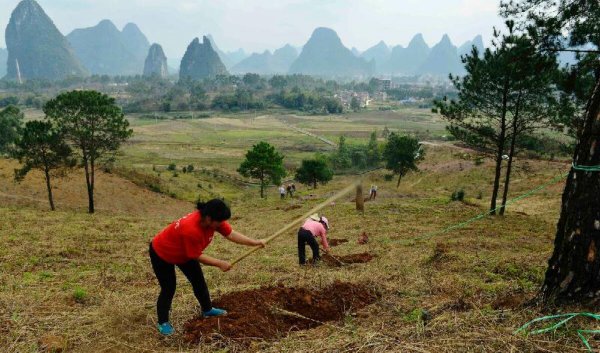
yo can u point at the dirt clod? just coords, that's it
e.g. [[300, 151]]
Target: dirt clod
[[337, 242], [272, 312], [332, 260], [510, 301], [53, 344], [363, 239]]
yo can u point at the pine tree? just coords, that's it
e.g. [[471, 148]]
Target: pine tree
[[402, 154], [314, 171], [505, 93], [42, 147], [573, 272], [93, 124], [373, 153], [11, 121], [264, 163]]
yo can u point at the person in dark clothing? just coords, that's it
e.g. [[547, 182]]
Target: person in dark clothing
[[165, 273], [181, 245], [314, 227]]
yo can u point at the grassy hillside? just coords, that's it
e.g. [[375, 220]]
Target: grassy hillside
[[85, 282]]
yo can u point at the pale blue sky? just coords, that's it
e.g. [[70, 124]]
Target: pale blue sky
[[256, 25]]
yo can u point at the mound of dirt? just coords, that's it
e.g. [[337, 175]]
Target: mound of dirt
[[272, 312], [337, 261], [337, 242], [510, 301]]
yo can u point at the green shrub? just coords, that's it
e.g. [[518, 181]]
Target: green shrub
[[172, 167], [458, 195], [79, 295]]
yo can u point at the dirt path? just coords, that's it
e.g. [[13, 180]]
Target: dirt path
[[308, 133], [446, 145]]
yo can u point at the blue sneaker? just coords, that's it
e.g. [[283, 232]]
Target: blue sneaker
[[214, 312], [166, 329]]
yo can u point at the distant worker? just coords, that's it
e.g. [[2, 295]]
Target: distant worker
[[290, 193], [182, 244], [314, 227], [293, 188], [282, 192], [373, 193]]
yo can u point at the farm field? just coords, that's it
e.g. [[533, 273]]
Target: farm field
[[216, 146], [82, 283]]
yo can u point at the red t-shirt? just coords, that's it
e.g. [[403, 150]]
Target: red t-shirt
[[185, 240]]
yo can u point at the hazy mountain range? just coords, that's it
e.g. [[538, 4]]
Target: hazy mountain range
[[3, 60], [278, 62], [104, 50], [325, 55], [229, 59], [41, 51], [36, 48], [201, 61], [156, 62]]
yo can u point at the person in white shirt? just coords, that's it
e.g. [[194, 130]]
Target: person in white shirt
[[373, 194], [282, 192]]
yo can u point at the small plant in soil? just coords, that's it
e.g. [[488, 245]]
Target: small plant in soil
[[80, 295]]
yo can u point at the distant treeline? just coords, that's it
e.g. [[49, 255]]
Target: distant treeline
[[137, 94]]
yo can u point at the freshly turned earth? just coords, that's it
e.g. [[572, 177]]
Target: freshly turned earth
[[273, 312], [337, 242]]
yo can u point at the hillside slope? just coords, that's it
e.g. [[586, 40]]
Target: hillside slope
[[114, 195], [67, 274]]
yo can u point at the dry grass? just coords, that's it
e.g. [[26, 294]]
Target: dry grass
[[86, 282]]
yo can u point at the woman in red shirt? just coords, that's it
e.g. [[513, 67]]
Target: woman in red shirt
[[182, 244]]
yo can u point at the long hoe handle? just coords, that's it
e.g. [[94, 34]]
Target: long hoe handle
[[314, 210]]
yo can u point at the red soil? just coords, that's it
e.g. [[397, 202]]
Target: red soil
[[273, 312], [337, 242]]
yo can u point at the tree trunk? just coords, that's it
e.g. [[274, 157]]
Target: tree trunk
[[507, 177], [92, 184], [500, 152], [573, 272], [49, 187], [399, 180], [262, 185], [315, 183], [88, 183], [360, 198], [511, 154]]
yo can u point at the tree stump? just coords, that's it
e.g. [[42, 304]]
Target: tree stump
[[360, 200]]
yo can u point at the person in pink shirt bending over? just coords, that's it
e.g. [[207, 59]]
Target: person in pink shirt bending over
[[314, 227]]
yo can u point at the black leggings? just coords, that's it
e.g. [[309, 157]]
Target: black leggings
[[165, 273], [306, 237]]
